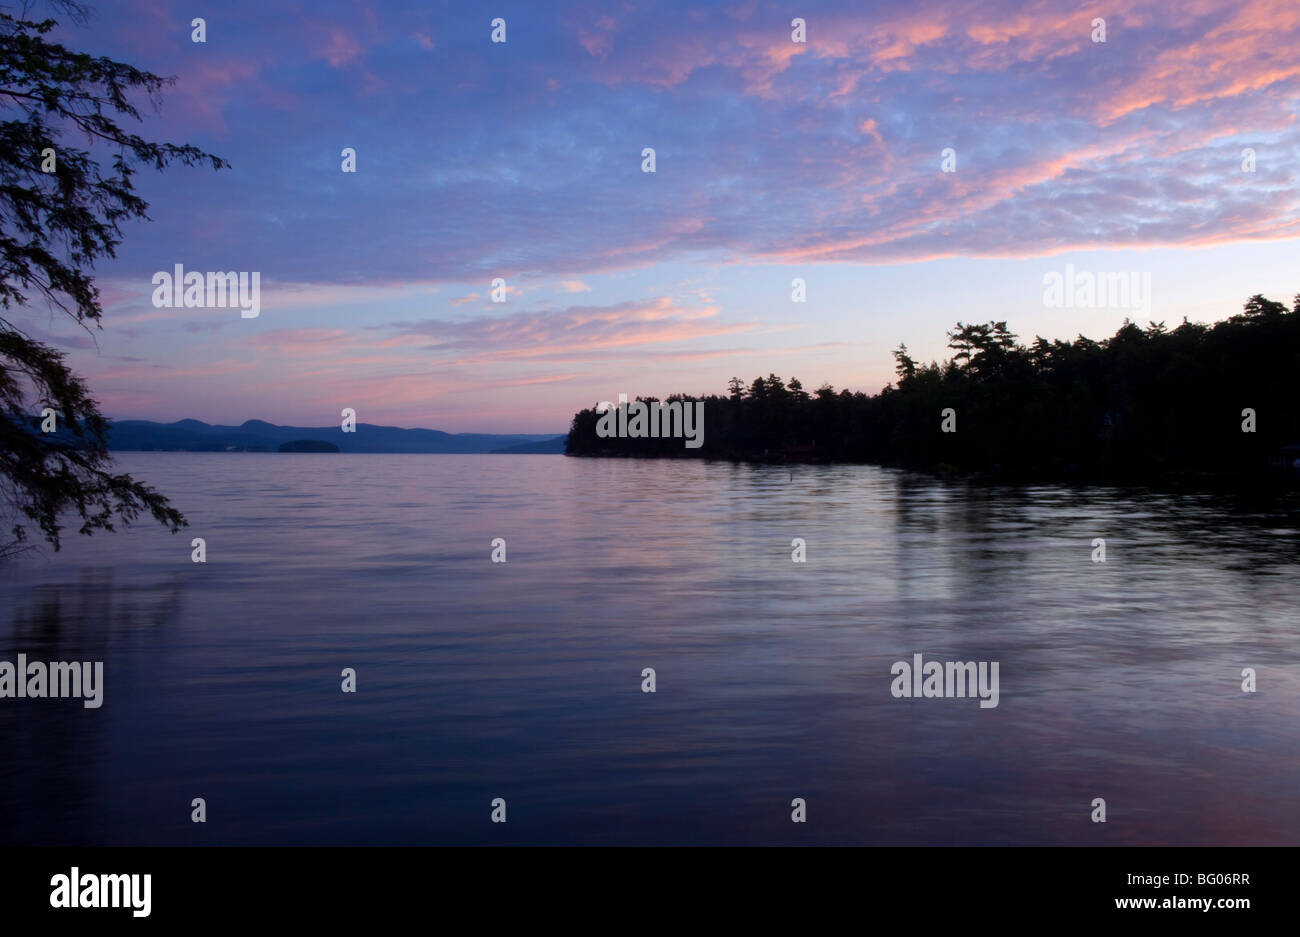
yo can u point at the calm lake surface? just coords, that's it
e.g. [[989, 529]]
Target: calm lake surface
[[523, 680]]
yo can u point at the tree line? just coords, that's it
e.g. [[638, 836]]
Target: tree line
[[1146, 402]]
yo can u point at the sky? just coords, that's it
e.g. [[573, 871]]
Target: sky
[[914, 163]]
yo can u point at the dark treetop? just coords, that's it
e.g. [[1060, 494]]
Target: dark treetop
[[1144, 403], [67, 170]]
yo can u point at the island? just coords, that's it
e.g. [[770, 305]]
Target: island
[[308, 445]]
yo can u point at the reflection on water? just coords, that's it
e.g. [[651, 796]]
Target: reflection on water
[[522, 680]]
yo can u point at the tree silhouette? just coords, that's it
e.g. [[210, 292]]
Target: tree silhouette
[[1143, 404], [61, 210]]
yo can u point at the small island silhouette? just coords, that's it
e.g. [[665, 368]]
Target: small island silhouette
[[308, 445]]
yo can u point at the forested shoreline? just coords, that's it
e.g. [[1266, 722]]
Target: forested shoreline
[[1215, 400]]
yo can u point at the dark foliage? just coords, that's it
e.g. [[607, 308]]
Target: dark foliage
[[61, 210], [1144, 403]]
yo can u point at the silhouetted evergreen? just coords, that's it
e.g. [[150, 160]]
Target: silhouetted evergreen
[[1143, 403], [62, 209]]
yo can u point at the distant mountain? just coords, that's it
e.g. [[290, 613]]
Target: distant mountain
[[544, 447], [260, 436]]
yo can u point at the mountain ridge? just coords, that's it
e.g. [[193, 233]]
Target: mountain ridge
[[191, 435]]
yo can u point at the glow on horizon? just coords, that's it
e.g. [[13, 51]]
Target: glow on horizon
[[822, 162]]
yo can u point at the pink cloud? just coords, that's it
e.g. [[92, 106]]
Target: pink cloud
[[299, 342], [570, 334], [339, 47]]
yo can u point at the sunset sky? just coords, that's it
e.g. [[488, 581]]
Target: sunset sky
[[775, 160]]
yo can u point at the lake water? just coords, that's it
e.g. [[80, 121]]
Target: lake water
[[522, 680]]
